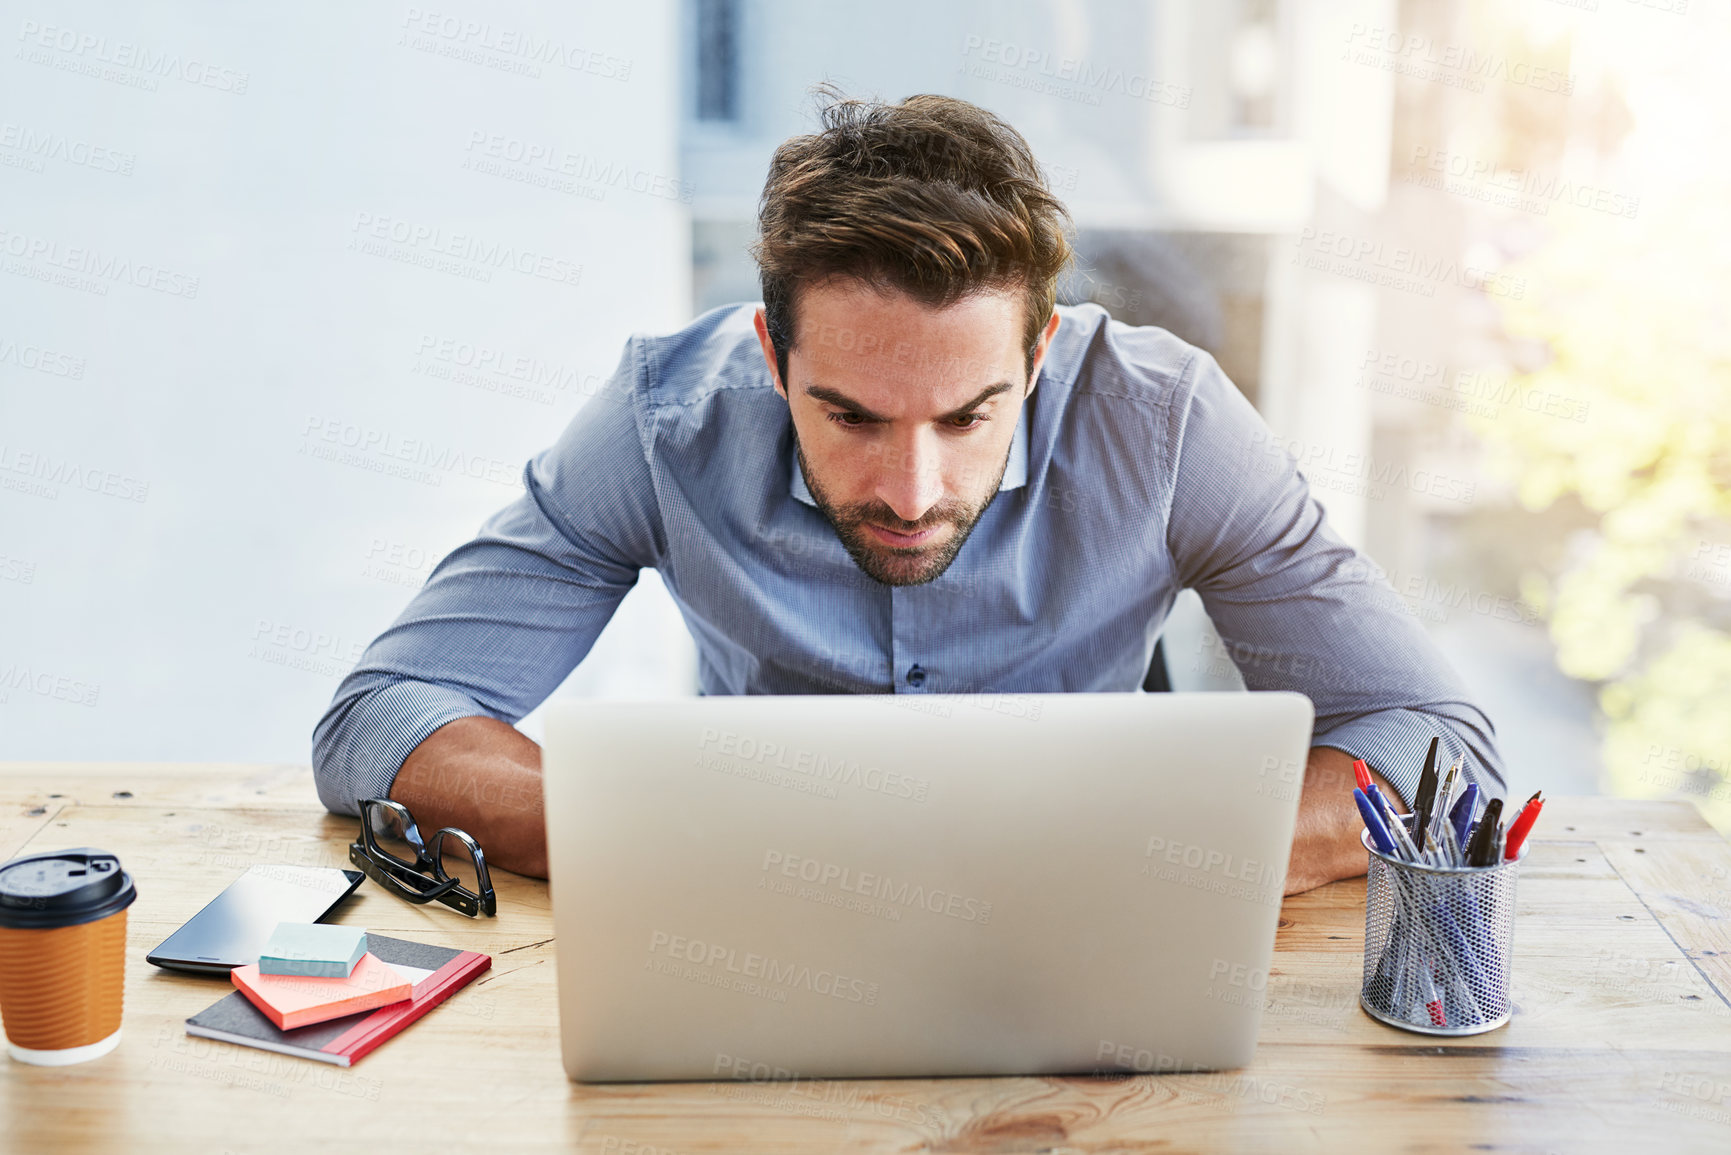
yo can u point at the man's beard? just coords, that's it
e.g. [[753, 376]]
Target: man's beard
[[907, 566]]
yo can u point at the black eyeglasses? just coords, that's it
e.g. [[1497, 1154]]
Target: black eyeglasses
[[391, 853]]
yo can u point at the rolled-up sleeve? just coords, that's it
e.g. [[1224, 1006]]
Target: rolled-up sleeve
[[504, 618], [1299, 609]]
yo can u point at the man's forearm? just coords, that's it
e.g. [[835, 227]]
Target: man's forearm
[[1325, 844], [483, 776]]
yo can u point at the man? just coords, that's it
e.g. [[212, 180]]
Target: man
[[907, 472]]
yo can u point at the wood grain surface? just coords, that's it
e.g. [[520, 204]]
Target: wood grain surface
[[1621, 1037]]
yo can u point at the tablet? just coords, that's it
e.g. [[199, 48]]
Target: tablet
[[232, 929]]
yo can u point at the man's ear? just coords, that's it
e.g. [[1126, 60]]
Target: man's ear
[[1040, 347], [762, 325]]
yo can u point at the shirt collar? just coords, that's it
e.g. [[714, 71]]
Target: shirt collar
[[1015, 469]]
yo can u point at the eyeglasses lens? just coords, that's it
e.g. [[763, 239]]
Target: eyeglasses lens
[[458, 862], [391, 836]]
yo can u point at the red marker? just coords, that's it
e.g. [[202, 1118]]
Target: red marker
[[1523, 825], [1363, 772]]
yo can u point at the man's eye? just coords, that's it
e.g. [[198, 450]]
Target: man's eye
[[968, 421], [848, 419]]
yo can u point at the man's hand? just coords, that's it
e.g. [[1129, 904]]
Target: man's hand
[[483, 776], [1325, 844]]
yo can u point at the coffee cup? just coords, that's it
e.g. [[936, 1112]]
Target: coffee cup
[[62, 954]]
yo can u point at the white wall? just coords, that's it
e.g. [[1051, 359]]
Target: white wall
[[194, 304]]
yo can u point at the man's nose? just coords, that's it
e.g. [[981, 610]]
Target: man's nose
[[910, 477]]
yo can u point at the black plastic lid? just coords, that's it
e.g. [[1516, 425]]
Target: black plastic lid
[[62, 888]]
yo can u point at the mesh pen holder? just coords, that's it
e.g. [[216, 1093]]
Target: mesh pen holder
[[1436, 944]]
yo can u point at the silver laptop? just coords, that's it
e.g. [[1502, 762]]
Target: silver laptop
[[856, 886]]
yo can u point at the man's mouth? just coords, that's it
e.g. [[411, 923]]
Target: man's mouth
[[900, 540]]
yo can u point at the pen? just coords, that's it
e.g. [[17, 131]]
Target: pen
[[1523, 824], [1439, 807], [1396, 828], [1482, 850], [1362, 772], [1458, 967], [1451, 846], [1402, 979], [1373, 823], [1421, 802], [1462, 814], [1432, 1000]]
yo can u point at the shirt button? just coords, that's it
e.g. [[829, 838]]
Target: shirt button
[[916, 675]]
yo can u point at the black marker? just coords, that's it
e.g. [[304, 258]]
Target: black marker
[[1482, 850]]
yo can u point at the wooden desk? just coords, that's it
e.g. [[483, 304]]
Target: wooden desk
[[1621, 1036]]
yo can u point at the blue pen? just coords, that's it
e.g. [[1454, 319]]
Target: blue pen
[[1396, 828], [1462, 814], [1373, 823]]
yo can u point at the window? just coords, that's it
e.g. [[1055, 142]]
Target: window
[[717, 59], [1241, 52], [1253, 68]]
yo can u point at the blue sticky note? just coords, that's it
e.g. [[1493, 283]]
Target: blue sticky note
[[313, 948]]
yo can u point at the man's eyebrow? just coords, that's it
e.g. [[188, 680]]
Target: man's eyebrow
[[843, 401], [985, 395]]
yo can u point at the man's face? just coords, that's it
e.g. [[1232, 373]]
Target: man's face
[[902, 417]]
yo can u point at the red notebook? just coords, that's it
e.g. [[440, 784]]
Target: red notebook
[[437, 971]]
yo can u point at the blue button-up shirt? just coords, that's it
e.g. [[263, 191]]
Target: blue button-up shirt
[[1137, 470]]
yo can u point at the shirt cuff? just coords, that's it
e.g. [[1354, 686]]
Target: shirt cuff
[[1393, 743], [359, 753]]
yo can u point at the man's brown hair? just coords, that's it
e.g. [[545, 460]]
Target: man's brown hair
[[934, 196]]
